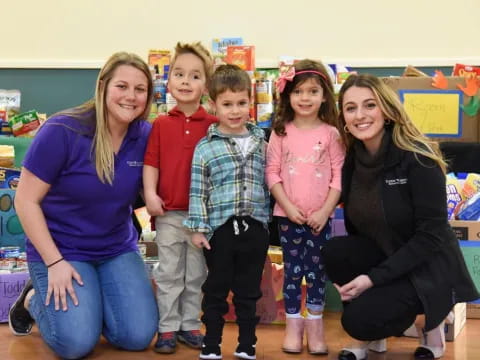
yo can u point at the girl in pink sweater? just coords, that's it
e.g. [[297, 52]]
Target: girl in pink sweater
[[304, 161]]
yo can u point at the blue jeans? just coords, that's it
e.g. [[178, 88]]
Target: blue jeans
[[116, 300]]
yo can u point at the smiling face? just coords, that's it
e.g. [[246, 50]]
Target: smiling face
[[363, 116], [126, 95], [187, 80], [306, 99], [232, 110]]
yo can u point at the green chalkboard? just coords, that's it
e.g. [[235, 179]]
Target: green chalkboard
[[52, 90]]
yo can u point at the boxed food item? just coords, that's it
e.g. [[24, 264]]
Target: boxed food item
[[241, 55], [7, 156], [24, 123], [9, 178]]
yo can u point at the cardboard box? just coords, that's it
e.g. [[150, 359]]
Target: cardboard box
[[470, 129], [466, 230], [452, 326], [271, 307], [10, 287], [471, 254], [473, 311]]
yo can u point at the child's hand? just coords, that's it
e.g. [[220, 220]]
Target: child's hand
[[154, 205], [317, 220], [200, 241], [295, 215]]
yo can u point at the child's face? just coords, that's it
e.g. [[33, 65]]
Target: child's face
[[306, 99], [187, 80], [233, 111]]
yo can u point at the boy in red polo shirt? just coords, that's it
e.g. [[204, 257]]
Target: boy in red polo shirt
[[166, 178]]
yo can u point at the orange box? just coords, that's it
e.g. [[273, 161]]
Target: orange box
[[241, 55]]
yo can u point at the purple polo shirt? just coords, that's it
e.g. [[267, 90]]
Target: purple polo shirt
[[87, 219]]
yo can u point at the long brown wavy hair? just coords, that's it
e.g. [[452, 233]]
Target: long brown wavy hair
[[328, 110], [405, 134]]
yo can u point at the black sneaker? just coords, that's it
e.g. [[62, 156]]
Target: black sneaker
[[19, 319], [210, 352], [244, 351]]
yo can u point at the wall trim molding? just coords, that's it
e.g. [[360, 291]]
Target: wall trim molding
[[261, 63]]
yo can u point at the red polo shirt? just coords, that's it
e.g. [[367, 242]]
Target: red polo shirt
[[170, 149]]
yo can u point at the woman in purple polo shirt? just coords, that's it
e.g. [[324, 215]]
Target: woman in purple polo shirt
[[79, 178]]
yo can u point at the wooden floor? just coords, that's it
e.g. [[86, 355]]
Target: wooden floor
[[465, 347]]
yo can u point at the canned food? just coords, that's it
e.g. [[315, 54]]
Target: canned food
[[142, 249], [8, 263], [22, 261], [8, 252], [265, 114], [264, 91]]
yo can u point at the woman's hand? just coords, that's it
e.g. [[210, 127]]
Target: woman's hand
[[354, 288], [200, 241], [60, 284]]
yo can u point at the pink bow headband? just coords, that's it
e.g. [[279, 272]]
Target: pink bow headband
[[290, 74]]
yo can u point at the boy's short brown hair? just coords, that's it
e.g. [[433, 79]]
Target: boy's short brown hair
[[198, 50], [229, 77]]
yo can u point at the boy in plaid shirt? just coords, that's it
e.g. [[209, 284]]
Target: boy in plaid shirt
[[229, 211]]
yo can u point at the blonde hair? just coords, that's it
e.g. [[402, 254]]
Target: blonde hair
[[405, 134], [198, 50], [95, 112]]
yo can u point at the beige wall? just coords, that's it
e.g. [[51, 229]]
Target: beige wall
[[83, 33]]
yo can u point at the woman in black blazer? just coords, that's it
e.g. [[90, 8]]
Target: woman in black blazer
[[401, 262]]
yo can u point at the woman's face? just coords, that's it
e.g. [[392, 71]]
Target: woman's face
[[127, 94], [363, 117]]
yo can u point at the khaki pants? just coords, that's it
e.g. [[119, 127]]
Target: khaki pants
[[179, 275]]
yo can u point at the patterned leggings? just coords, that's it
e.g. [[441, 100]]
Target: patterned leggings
[[301, 256]]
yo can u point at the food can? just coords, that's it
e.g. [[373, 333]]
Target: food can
[[9, 252], [142, 249], [265, 113], [22, 261], [264, 91], [8, 263]]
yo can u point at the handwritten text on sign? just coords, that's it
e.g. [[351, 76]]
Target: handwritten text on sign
[[434, 112]]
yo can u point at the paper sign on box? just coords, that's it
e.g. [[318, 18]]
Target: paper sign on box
[[10, 287]]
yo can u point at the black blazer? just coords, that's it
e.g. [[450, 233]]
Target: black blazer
[[413, 193]]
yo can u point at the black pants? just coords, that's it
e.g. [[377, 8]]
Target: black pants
[[235, 262], [381, 311]]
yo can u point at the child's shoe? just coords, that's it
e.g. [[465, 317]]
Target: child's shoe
[[166, 343], [315, 337], [244, 351], [211, 352], [19, 319], [293, 341], [191, 338]]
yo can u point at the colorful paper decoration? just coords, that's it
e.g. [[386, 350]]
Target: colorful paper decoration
[[439, 80], [471, 109], [472, 86]]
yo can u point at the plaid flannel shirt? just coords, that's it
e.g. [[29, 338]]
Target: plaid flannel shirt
[[226, 183]]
